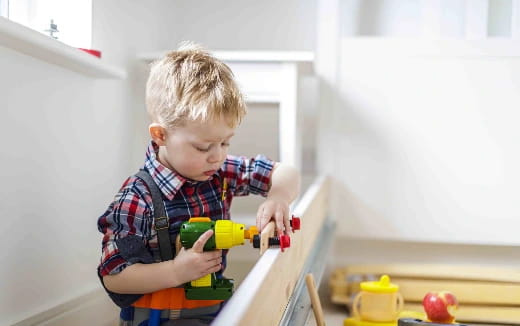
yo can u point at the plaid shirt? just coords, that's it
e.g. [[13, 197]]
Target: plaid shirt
[[131, 212]]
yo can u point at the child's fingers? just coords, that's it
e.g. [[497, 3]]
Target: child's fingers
[[259, 214], [278, 217], [198, 246], [213, 269], [263, 217], [214, 261], [215, 255], [286, 220]]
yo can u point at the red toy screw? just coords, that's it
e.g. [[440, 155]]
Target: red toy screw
[[285, 242], [295, 223]]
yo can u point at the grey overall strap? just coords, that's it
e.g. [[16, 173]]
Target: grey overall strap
[[160, 219]]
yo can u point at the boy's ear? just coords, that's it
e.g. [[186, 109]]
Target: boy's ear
[[158, 133]]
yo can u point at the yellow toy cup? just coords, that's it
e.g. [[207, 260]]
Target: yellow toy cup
[[378, 301]]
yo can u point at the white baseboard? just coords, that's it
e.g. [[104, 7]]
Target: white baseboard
[[94, 308]]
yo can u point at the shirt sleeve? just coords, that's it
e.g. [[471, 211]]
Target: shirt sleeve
[[248, 175], [125, 226]]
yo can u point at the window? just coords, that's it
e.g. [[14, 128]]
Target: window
[[440, 19], [68, 21], [4, 8]]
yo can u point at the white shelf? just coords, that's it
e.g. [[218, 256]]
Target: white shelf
[[32, 43]]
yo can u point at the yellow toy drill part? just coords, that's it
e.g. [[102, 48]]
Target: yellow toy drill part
[[227, 234]]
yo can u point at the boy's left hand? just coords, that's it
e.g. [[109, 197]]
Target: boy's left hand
[[275, 209]]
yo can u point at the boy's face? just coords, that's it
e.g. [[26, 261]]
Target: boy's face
[[196, 150]]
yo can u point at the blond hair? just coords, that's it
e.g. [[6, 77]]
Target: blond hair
[[190, 84]]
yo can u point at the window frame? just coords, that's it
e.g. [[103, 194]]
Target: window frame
[[4, 8], [73, 18]]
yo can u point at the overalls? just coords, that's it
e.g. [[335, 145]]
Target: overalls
[[167, 306]]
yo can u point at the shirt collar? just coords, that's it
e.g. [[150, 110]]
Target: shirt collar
[[168, 181]]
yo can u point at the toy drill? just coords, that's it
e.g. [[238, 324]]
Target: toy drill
[[226, 234]]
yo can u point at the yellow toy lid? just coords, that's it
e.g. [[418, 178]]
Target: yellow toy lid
[[381, 286]]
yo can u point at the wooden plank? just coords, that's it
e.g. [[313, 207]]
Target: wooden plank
[[299, 306], [466, 293], [482, 314], [474, 292], [315, 299], [267, 232], [263, 295], [438, 271]]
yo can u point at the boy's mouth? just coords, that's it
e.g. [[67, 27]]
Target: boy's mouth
[[210, 173]]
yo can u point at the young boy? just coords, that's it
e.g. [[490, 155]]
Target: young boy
[[194, 105]]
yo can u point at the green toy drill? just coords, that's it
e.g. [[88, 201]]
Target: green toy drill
[[226, 234]]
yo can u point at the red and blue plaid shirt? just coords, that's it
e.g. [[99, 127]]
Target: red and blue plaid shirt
[[131, 212]]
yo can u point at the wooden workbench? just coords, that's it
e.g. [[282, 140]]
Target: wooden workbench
[[273, 293]]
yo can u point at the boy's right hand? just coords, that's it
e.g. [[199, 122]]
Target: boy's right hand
[[191, 264]]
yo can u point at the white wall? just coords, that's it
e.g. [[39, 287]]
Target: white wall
[[427, 145], [122, 30], [67, 144], [64, 149], [423, 126], [244, 24]]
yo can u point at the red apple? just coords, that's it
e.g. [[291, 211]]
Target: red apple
[[439, 306]]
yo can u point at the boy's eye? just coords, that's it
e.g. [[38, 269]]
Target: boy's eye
[[206, 149], [201, 149]]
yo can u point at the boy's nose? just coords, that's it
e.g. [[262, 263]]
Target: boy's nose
[[217, 155]]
